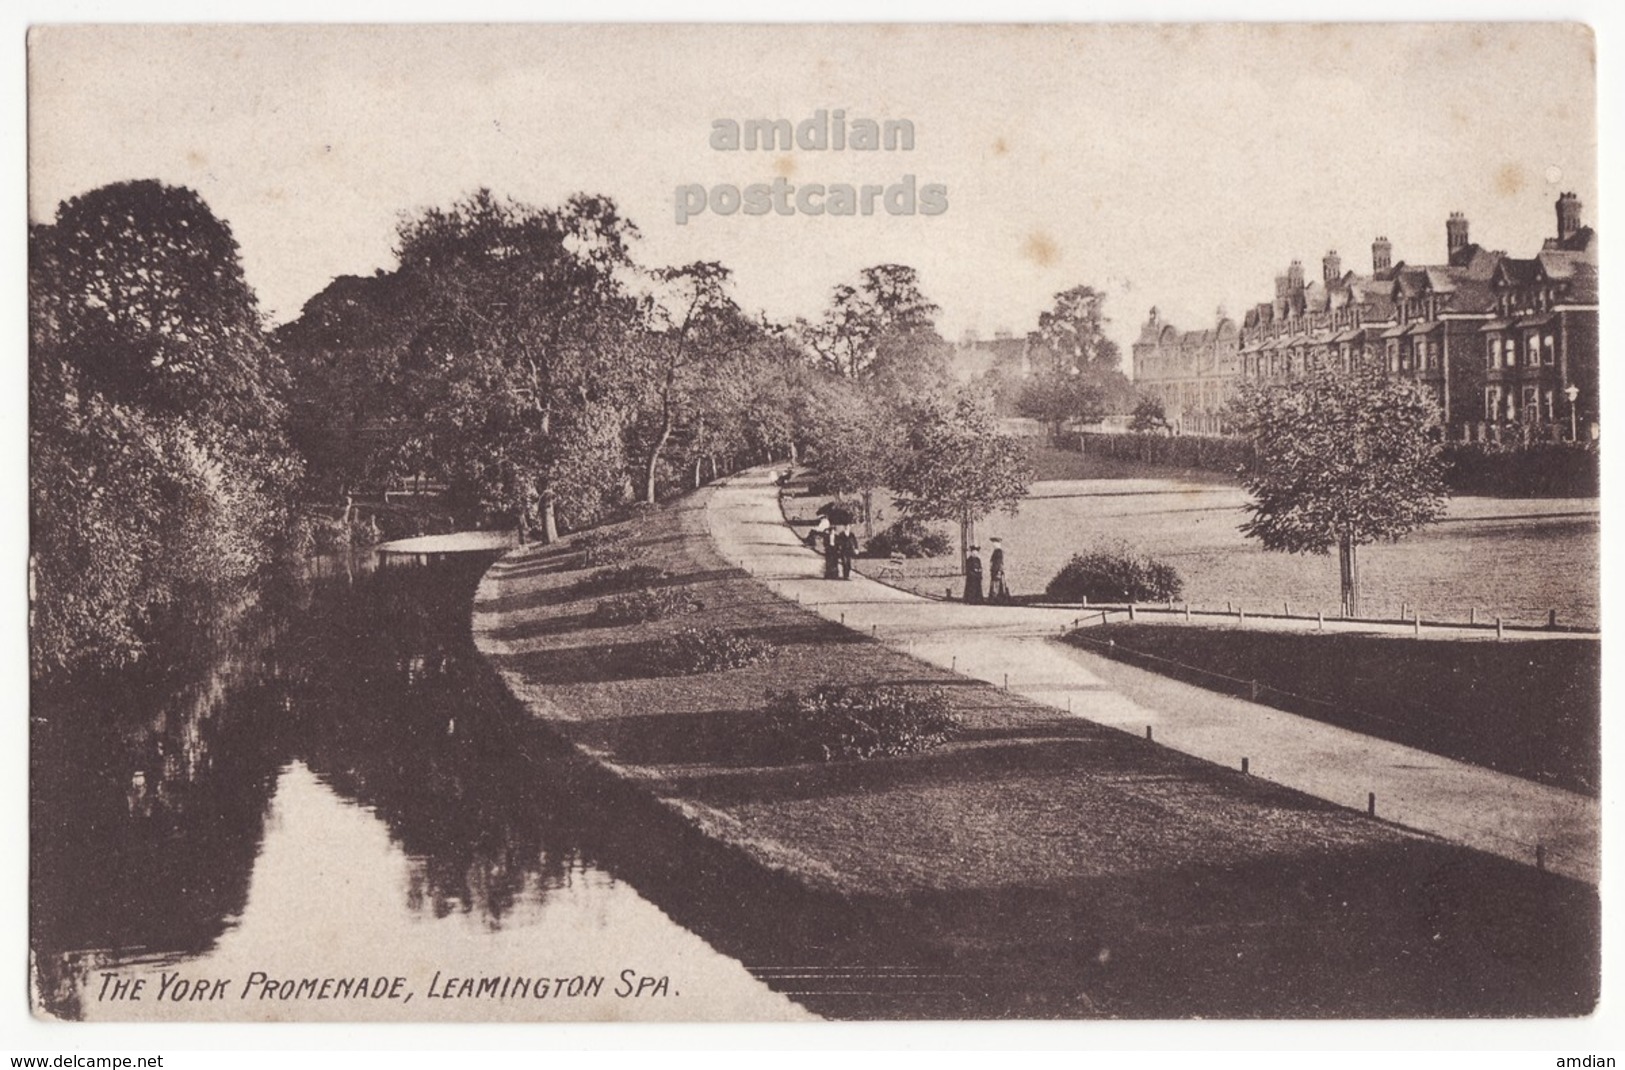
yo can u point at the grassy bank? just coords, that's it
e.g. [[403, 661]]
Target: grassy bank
[[1036, 865], [1526, 708]]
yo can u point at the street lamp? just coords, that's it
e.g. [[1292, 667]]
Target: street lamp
[[1572, 392]]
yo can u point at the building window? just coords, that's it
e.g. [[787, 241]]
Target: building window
[[1492, 402], [1534, 350], [1531, 403], [1549, 399], [1548, 351], [1492, 351]]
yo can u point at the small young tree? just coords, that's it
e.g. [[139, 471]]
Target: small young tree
[[1055, 399], [1149, 415], [960, 467], [1344, 459]]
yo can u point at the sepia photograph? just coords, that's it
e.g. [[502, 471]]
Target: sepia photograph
[[813, 523]]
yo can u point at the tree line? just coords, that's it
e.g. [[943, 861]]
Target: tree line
[[519, 356]]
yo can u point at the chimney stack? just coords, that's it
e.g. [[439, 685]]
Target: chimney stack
[[1331, 268], [1568, 216], [1294, 275], [1382, 254], [1455, 233]]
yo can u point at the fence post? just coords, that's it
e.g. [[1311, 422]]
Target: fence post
[[1418, 620], [1244, 767], [1148, 733], [1371, 804], [1551, 618], [1500, 629], [1131, 611], [1320, 620], [1286, 609], [1472, 615], [1187, 610]]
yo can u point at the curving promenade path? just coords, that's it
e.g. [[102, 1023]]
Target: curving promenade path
[[1013, 647]]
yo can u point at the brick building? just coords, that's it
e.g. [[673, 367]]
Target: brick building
[[1502, 342]]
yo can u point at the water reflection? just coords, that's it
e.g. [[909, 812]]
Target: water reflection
[[329, 784]]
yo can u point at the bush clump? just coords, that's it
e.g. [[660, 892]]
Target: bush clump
[[1115, 575], [650, 603], [622, 577], [606, 546], [831, 723], [909, 537], [695, 650]]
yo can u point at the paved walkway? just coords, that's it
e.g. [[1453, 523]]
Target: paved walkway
[[1011, 646]]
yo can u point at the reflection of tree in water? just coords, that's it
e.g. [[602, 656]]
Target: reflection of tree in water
[[148, 794], [400, 715]]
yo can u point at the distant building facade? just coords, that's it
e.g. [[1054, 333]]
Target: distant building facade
[[1508, 346]]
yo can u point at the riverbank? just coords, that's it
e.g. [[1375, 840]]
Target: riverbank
[[1055, 866]]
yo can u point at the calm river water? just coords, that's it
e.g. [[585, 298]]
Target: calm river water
[[324, 810]]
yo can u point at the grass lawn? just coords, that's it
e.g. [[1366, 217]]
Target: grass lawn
[[1510, 557], [1528, 708], [1043, 865]]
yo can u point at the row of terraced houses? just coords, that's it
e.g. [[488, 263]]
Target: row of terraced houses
[[1507, 345]]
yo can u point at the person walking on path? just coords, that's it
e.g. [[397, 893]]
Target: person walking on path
[[846, 545], [997, 589], [973, 576], [832, 554]]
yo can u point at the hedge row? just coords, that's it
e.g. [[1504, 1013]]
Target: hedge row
[[1539, 470]]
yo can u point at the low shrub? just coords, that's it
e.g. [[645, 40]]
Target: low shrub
[[909, 537], [696, 650], [650, 603], [606, 546], [831, 723], [621, 577], [1115, 575]]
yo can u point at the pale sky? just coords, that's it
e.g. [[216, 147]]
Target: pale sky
[[1181, 167]]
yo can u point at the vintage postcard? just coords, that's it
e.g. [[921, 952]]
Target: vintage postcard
[[775, 523]]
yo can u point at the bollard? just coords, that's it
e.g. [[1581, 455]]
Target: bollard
[[1240, 616], [947, 594], [1472, 615], [1418, 621], [1286, 609], [1227, 607], [955, 664], [1500, 629], [1187, 611], [1007, 681], [1371, 804], [1131, 611], [1244, 767], [1551, 618], [1148, 733], [1085, 604], [1320, 620], [874, 631], [1103, 616], [843, 620], [1069, 705]]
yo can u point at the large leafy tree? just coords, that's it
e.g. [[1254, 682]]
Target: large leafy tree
[[526, 327], [883, 329], [1056, 398], [693, 338], [158, 468], [1343, 459], [350, 416], [958, 466], [1072, 333], [857, 442]]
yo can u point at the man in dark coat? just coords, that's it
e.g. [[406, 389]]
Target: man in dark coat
[[846, 545], [973, 575], [832, 554]]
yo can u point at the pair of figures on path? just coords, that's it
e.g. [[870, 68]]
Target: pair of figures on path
[[840, 546], [998, 590]]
